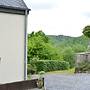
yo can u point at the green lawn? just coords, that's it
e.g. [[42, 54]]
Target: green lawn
[[70, 71]]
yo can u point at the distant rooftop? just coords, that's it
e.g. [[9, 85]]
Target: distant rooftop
[[13, 4]]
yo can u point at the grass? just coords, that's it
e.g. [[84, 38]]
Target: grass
[[70, 71]]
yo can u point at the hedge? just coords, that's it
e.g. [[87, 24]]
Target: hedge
[[50, 65]]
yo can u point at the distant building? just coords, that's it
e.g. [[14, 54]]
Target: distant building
[[80, 57], [13, 28]]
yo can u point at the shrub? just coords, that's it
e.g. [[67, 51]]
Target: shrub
[[31, 69], [83, 66], [50, 65]]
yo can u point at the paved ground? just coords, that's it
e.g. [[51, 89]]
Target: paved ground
[[36, 89], [67, 82]]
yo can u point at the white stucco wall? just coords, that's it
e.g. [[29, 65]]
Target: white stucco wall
[[11, 47]]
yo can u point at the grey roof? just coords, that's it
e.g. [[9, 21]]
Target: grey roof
[[13, 4]]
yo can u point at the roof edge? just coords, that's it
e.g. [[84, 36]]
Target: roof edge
[[17, 8], [14, 10]]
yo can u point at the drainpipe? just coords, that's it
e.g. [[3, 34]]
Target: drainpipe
[[25, 46]]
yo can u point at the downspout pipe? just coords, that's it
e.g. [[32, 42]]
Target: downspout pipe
[[25, 46]]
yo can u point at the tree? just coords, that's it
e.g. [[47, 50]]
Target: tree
[[78, 48], [86, 31], [42, 35], [69, 56], [39, 46], [35, 46]]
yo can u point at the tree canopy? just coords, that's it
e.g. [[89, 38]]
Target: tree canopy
[[39, 46], [86, 31]]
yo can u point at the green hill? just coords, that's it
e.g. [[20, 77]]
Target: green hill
[[67, 41]]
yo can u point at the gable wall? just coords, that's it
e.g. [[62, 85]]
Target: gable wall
[[11, 47]]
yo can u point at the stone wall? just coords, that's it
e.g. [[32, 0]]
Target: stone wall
[[80, 57]]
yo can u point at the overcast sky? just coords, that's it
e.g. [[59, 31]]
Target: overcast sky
[[58, 17]]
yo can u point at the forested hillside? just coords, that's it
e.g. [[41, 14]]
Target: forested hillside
[[78, 44]]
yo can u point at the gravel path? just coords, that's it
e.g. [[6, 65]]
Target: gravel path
[[67, 82]]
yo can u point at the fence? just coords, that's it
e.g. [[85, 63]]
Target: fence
[[23, 85]]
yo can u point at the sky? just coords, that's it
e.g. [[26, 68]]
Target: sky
[[58, 17]]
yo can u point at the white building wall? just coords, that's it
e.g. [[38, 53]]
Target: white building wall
[[11, 47]]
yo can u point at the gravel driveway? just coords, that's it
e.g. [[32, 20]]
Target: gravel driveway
[[67, 82]]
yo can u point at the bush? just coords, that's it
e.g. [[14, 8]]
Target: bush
[[31, 69], [50, 65], [83, 67]]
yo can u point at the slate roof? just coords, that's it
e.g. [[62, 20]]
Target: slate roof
[[13, 4]]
